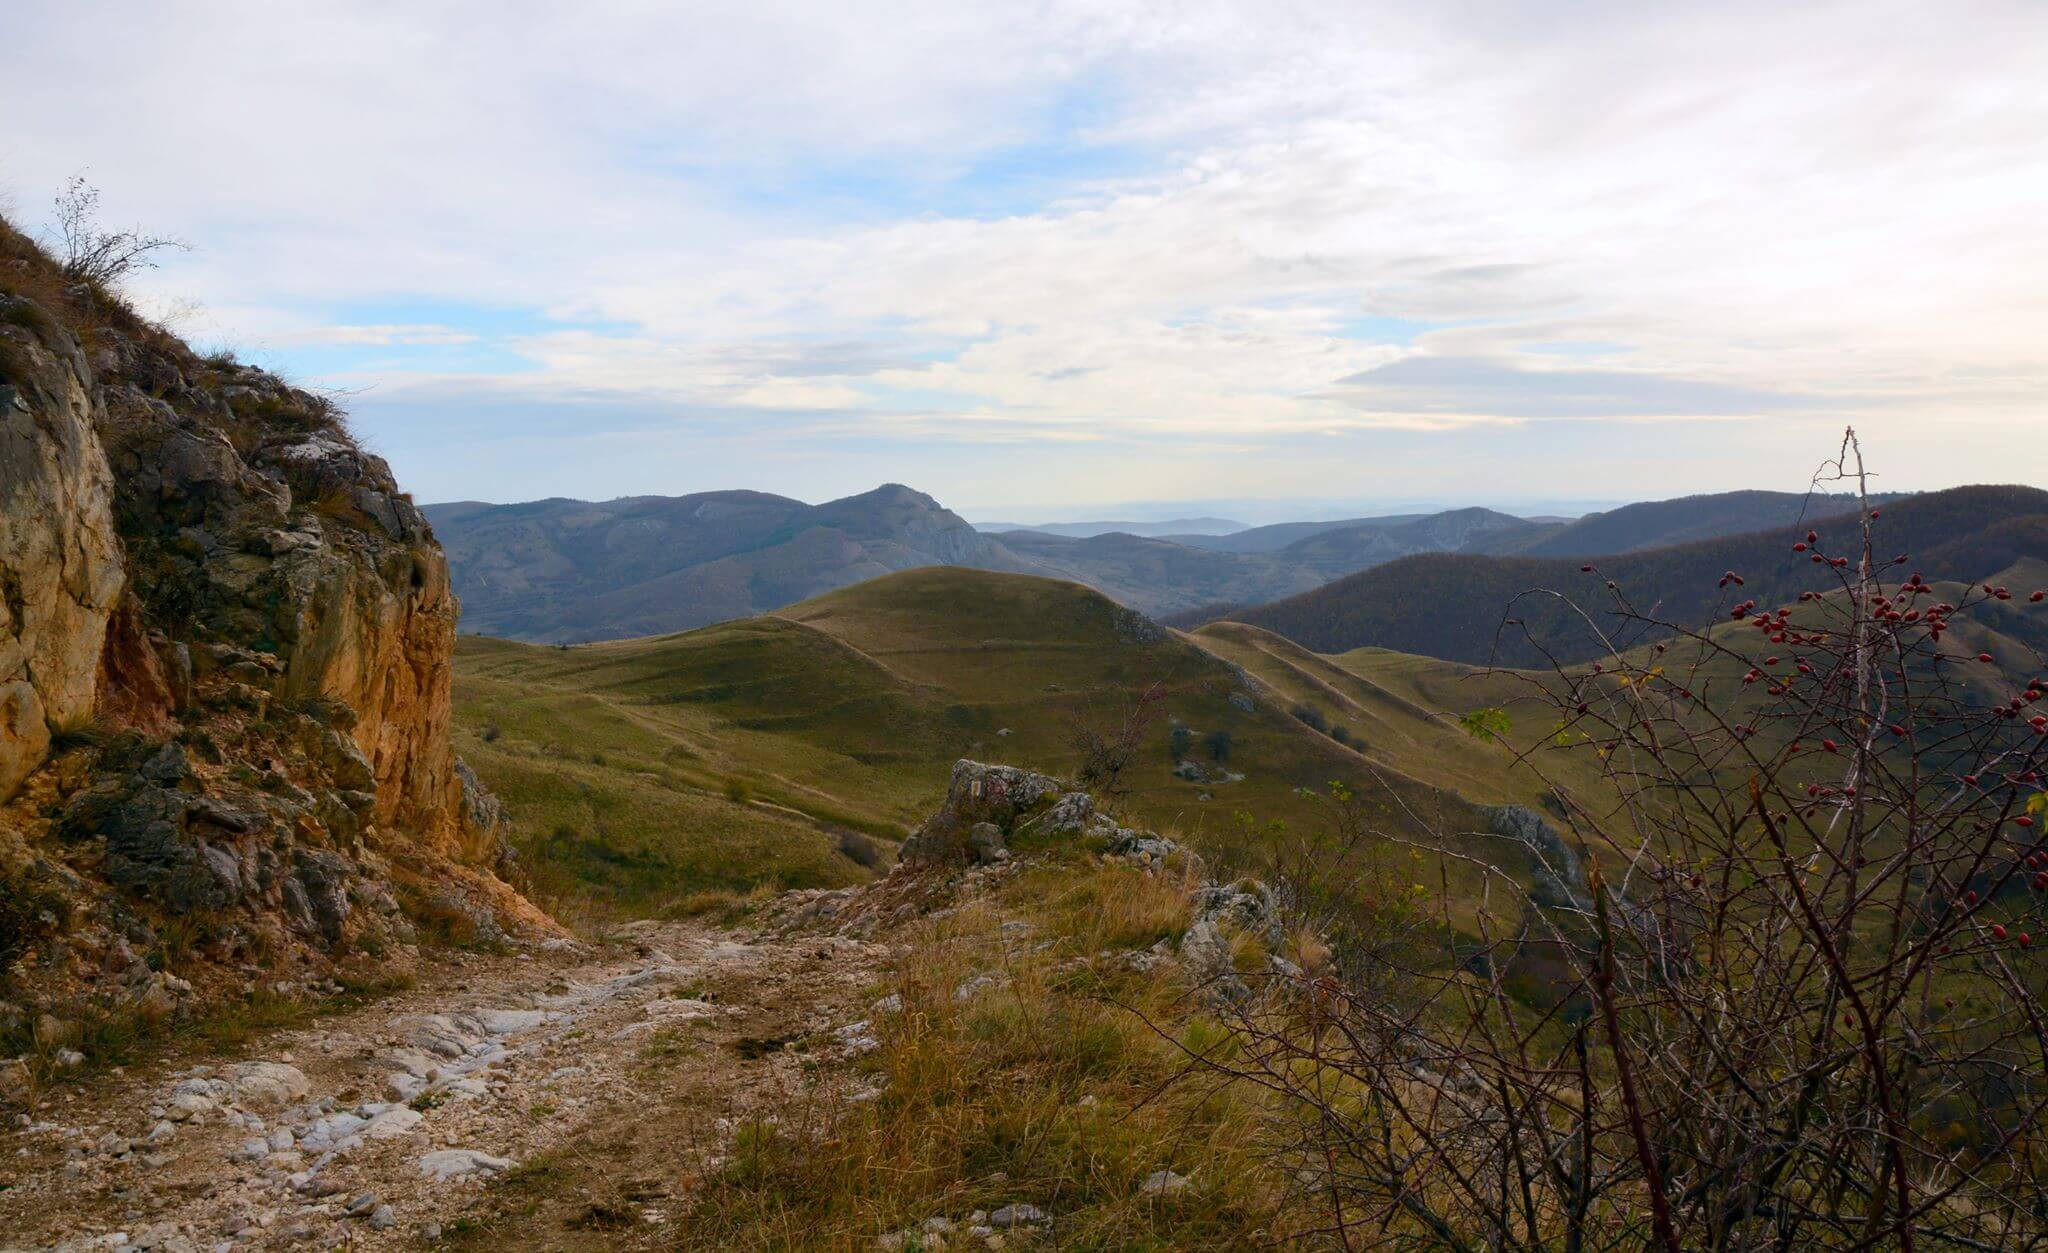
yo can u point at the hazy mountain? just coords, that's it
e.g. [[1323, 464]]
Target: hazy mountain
[[1271, 539], [1086, 530], [1451, 605], [569, 570], [1334, 553], [559, 570], [1160, 576], [1661, 523]]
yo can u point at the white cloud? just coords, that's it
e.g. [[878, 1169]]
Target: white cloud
[[1605, 212]]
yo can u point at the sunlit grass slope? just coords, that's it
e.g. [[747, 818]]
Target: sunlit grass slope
[[761, 751]]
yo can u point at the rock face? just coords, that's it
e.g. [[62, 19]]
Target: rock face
[[61, 569], [226, 641], [1556, 878]]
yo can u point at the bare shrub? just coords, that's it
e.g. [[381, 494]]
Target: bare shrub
[[1784, 991], [91, 255], [1107, 736]]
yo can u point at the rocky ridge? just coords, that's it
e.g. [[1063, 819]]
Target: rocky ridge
[[225, 655]]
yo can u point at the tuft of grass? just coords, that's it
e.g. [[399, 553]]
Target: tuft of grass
[[237, 1023], [1116, 907], [721, 906], [88, 730]]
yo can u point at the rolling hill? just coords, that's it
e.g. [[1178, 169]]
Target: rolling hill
[[1453, 606], [796, 748]]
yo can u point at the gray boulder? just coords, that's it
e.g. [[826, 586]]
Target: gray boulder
[[998, 795]]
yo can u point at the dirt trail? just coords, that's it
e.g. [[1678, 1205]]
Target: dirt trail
[[376, 1128]]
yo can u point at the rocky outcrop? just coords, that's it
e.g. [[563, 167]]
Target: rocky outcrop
[[1556, 881], [977, 795], [226, 641]]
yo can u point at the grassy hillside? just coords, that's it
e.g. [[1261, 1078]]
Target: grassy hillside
[[796, 748], [1401, 712], [1453, 605]]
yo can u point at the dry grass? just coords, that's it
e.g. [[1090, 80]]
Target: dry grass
[[1055, 1080]]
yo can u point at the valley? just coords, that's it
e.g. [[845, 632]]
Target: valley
[[728, 871], [568, 571]]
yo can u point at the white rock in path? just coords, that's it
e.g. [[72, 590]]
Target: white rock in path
[[393, 1123], [189, 1106], [331, 1132], [268, 1085], [511, 1021], [450, 1164], [438, 1033], [682, 1009], [411, 1061]]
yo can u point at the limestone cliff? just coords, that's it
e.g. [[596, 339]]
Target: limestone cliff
[[225, 649]]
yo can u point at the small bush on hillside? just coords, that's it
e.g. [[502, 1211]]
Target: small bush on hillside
[[862, 850], [1107, 739], [96, 257], [1219, 743], [1311, 717]]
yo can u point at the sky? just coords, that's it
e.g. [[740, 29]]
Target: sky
[[1046, 259]]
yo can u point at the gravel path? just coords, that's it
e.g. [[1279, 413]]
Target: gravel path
[[377, 1128]]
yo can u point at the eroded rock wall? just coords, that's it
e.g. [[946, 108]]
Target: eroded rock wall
[[226, 640], [61, 569]]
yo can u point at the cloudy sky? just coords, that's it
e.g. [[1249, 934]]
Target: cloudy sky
[[1047, 257]]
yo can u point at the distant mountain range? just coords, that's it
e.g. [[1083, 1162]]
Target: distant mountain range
[[568, 570], [1467, 606], [1088, 530]]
